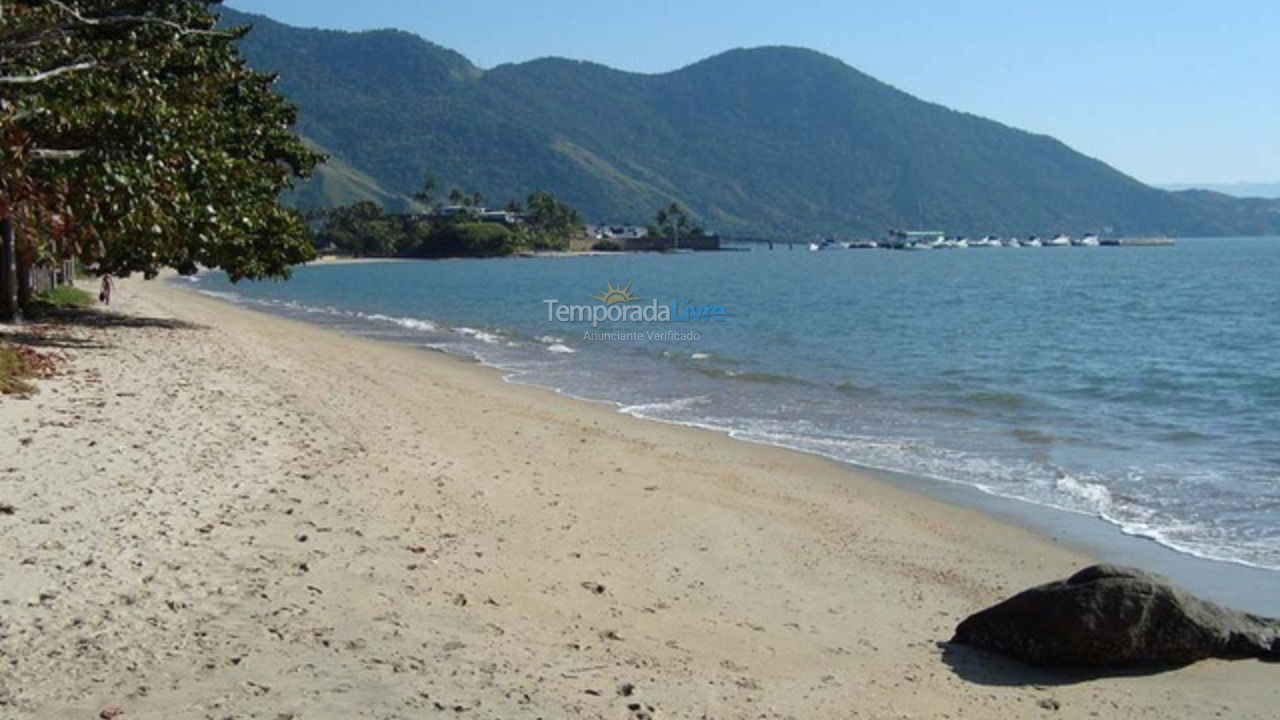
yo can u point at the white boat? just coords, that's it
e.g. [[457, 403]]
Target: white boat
[[1032, 241], [1059, 240], [1012, 242], [1089, 240], [828, 244], [914, 240]]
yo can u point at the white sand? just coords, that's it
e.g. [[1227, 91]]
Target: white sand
[[254, 518]]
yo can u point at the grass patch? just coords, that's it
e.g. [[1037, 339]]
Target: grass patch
[[65, 297], [13, 370]]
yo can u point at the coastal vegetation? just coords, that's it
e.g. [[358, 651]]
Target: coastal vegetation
[[463, 228], [65, 297], [134, 137], [765, 142], [673, 221]]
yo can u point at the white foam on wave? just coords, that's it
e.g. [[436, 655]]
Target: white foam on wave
[[684, 403], [561, 349], [317, 310], [1095, 497], [699, 356], [410, 323], [549, 340], [404, 322], [481, 335], [1067, 493], [231, 296]]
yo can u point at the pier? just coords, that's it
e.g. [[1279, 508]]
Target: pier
[[1138, 242]]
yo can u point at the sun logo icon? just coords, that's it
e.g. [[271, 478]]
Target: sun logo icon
[[614, 295]]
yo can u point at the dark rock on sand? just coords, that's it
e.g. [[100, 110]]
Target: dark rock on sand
[[1115, 616]]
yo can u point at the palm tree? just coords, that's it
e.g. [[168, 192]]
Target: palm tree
[[424, 194]]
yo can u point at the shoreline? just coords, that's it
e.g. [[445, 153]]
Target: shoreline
[[1235, 584], [265, 517]]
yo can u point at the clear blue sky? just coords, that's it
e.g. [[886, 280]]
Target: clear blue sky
[[1165, 90]]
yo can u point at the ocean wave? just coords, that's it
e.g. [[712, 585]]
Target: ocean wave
[[1002, 400], [666, 406], [1083, 495], [405, 322], [229, 296], [1032, 437], [951, 410], [855, 389], [481, 335], [1185, 436], [747, 376], [409, 323], [1096, 497], [561, 349]]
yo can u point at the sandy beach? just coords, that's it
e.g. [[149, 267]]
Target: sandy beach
[[223, 514]]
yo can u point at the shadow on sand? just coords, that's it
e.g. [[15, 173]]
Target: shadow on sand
[[986, 668], [48, 327]]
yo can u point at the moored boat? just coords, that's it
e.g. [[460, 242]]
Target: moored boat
[[827, 244]]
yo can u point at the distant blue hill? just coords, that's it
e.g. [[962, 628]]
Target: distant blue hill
[[1238, 189], [767, 141]]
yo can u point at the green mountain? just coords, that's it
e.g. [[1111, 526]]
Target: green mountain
[[336, 183], [765, 141]]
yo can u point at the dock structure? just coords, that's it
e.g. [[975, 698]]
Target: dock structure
[[1138, 241], [645, 243]]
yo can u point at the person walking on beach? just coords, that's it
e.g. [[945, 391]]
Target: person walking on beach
[[104, 295]]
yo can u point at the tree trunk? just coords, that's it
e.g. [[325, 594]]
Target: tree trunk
[[10, 311], [25, 280]]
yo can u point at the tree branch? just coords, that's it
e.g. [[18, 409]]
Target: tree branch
[[48, 74], [135, 19], [48, 154]]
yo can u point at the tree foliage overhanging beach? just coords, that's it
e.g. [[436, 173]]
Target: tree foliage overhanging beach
[[135, 138]]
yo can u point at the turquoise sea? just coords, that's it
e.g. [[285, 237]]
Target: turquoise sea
[[1137, 385]]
